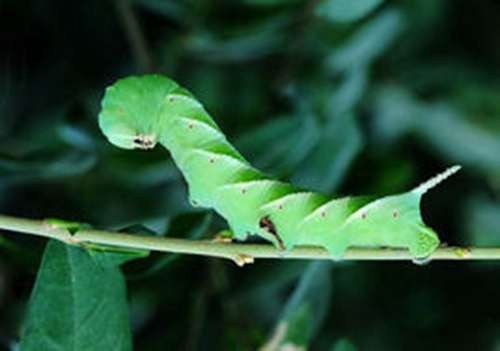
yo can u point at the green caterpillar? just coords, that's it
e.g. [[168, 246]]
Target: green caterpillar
[[139, 112]]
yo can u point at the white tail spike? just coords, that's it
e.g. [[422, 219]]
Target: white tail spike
[[431, 183]]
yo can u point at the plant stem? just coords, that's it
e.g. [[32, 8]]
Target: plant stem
[[134, 34], [239, 253]]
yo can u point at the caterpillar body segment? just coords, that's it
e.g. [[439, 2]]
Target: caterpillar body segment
[[141, 112]]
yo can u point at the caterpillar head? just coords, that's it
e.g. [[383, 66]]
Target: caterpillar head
[[132, 109]]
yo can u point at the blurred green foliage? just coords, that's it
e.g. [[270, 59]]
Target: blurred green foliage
[[353, 97]]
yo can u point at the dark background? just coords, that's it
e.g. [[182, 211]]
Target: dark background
[[367, 105]]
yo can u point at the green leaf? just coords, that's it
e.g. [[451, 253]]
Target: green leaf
[[399, 113], [188, 225], [482, 221], [76, 137], [36, 167], [324, 168], [270, 3], [109, 256], [349, 92], [305, 310], [308, 303], [346, 10], [368, 43], [76, 304], [478, 146], [343, 345], [169, 9], [295, 137]]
